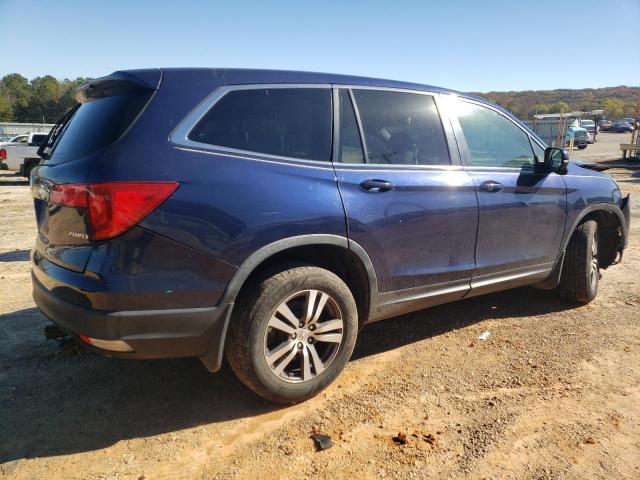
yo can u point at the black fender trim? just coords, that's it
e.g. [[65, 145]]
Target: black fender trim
[[213, 357], [262, 254], [623, 217], [624, 221]]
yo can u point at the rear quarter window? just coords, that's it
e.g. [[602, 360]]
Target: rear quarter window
[[287, 122]]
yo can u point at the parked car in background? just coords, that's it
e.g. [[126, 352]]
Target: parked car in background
[[580, 135], [621, 126], [14, 139], [591, 127], [605, 125], [22, 156], [269, 215]]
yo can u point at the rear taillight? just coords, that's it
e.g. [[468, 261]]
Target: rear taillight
[[114, 207], [3, 154]]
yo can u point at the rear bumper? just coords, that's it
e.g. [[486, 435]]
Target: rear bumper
[[190, 332]]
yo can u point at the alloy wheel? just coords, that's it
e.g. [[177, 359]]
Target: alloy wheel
[[303, 336], [594, 270]]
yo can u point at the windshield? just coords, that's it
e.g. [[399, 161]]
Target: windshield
[[588, 123]]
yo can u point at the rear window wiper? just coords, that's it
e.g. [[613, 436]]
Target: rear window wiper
[[47, 145]]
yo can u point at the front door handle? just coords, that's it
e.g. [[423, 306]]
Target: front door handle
[[374, 185], [490, 186]]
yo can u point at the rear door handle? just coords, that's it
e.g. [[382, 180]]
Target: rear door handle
[[374, 185], [490, 186]]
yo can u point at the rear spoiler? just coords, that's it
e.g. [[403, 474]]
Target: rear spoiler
[[118, 83]]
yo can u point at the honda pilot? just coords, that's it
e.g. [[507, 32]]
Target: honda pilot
[[267, 216]]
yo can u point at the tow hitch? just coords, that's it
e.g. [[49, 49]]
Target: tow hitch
[[52, 332], [65, 342]]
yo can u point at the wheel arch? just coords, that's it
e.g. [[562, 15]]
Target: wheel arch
[[307, 249], [611, 225]]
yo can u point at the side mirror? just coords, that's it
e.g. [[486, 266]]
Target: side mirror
[[556, 160]]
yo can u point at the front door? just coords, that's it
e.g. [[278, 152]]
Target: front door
[[522, 213], [407, 205]]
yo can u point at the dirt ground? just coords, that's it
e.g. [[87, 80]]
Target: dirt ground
[[554, 392]]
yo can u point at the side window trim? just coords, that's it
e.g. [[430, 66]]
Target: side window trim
[[337, 106], [180, 134], [363, 140], [446, 118], [462, 143]]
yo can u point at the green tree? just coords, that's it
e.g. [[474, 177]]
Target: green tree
[[541, 108], [43, 104], [16, 92], [613, 108], [559, 107], [6, 112]]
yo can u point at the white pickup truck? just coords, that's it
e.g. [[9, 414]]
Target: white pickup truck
[[22, 156]]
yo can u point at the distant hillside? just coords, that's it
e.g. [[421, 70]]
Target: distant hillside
[[615, 101]]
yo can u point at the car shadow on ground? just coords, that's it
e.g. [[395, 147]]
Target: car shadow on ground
[[55, 403], [635, 178], [622, 163], [15, 256]]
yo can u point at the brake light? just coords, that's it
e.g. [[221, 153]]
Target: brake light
[[114, 207], [3, 154]]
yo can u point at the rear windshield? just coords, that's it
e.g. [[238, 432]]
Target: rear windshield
[[97, 124]]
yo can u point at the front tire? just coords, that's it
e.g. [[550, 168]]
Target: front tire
[[581, 270], [292, 334]]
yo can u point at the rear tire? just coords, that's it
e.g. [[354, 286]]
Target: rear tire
[[275, 346], [582, 147], [580, 271]]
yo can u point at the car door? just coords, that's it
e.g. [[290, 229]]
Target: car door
[[522, 212], [411, 207]]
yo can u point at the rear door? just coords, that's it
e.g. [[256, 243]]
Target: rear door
[[522, 213], [408, 204]]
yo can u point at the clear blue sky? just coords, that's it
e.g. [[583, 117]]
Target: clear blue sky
[[466, 45]]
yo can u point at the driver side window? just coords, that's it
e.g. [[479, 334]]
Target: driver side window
[[492, 139]]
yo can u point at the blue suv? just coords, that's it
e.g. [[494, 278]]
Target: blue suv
[[268, 215]]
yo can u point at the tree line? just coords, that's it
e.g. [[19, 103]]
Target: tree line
[[46, 99], [616, 102], [40, 100]]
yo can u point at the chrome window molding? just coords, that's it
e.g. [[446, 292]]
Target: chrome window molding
[[180, 135], [258, 157], [389, 89]]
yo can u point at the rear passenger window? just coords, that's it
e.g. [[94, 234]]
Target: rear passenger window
[[492, 139], [288, 122], [401, 128]]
